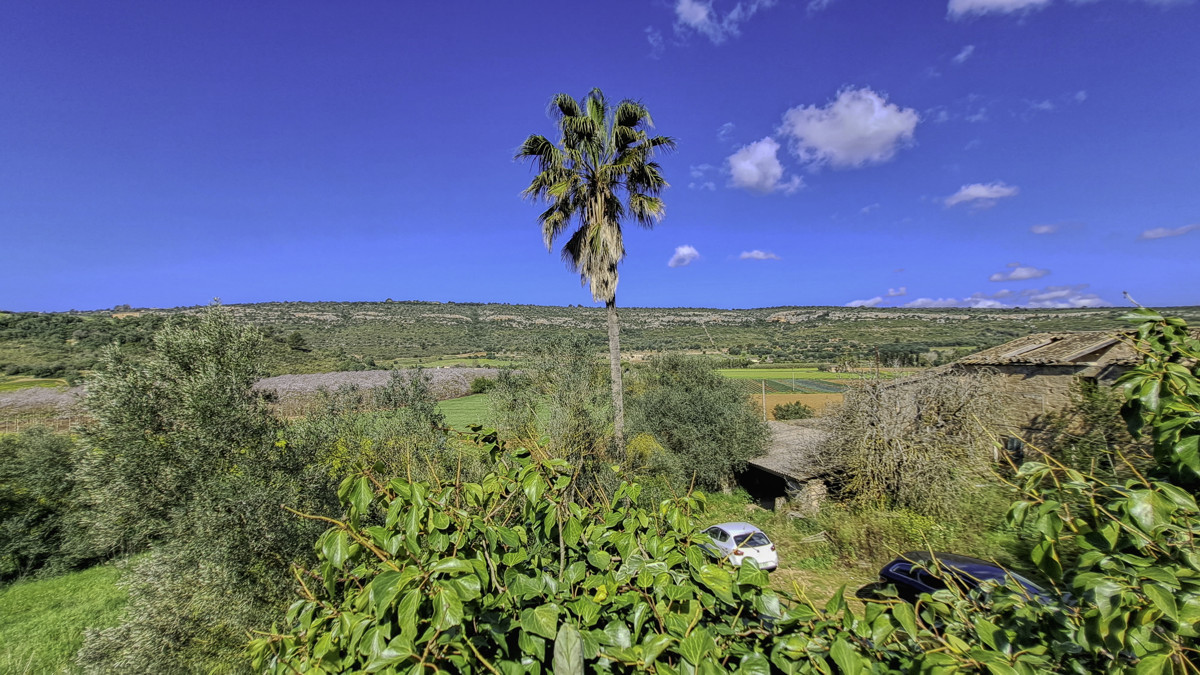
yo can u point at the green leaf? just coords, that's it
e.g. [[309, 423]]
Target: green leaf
[[750, 574], [336, 548], [1163, 599], [572, 531], [1154, 665], [653, 645], [718, 580], [845, 657], [1150, 510], [907, 617], [450, 565], [599, 559], [568, 651], [754, 663], [541, 620], [694, 647], [447, 609], [361, 495]]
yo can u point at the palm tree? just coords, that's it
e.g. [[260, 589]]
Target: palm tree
[[600, 173]]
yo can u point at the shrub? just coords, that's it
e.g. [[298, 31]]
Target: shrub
[[916, 444], [703, 419], [482, 385], [40, 527], [183, 459], [794, 410]]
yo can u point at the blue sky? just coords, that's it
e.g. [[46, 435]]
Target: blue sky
[[963, 153]]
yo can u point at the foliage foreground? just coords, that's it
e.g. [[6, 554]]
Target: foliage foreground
[[515, 574]]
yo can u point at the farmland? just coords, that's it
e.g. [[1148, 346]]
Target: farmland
[[339, 336]]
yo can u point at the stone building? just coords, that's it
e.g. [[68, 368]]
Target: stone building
[[1037, 371]]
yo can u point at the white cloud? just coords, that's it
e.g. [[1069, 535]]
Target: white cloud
[[1080, 96], [960, 8], [655, 38], [957, 9], [1041, 106], [684, 255], [868, 208], [897, 292], [1164, 232], [1060, 297], [982, 195], [1051, 297], [701, 177], [977, 116], [756, 167], [963, 55], [1018, 272], [858, 128], [758, 255], [869, 302], [815, 6], [725, 132], [699, 15], [1044, 229], [934, 302]]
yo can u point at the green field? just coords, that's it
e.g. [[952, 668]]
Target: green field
[[42, 621], [785, 374], [460, 412], [14, 383]]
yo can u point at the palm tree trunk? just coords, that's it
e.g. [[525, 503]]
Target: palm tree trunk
[[618, 391]]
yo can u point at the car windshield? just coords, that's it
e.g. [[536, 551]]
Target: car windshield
[[753, 539]]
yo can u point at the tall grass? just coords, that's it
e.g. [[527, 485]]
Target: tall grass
[[42, 620]]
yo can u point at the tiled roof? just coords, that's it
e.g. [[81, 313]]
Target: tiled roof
[[793, 452], [1059, 349]]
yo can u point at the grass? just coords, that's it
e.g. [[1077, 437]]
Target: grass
[[460, 412], [785, 374], [42, 621], [807, 565], [15, 382]]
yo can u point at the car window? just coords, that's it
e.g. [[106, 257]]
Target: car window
[[754, 540], [928, 579], [721, 535]]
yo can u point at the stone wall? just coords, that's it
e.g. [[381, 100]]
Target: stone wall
[[1031, 391]]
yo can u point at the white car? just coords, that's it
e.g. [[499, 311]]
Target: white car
[[736, 542]]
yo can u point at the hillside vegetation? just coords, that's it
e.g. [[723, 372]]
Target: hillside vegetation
[[313, 337]]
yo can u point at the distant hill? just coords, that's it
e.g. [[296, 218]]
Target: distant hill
[[366, 334]]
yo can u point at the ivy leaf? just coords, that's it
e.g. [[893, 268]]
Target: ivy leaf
[[361, 495], [447, 609], [541, 620], [1163, 600], [845, 657], [718, 580], [451, 565], [568, 651], [694, 647], [336, 548], [754, 663], [1149, 510]]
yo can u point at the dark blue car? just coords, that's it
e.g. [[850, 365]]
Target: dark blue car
[[911, 575]]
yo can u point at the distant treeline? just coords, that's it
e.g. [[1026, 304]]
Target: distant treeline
[[323, 336]]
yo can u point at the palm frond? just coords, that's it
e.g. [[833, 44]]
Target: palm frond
[[630, 113], [564, 105]]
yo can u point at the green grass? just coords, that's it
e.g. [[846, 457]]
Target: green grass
[[19, 382], [785, 374], [460, 412], [42, 621]]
